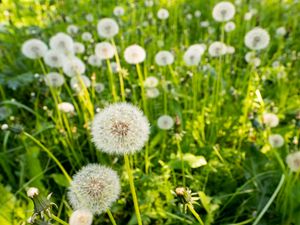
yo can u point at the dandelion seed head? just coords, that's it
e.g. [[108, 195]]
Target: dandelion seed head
[[63, 43], [94, 60], [54, 79], [134, 54], [151, 82], [89, 17], [34, 48], [73, 67], [86, 36], [94, 188], [270, 119], [163, 14], [54, 58], [72, 29], [81, 217], [79, 48], [66, 107], [120, 128], [281, 31], [276, 140], [293, 161], [223, 11], [32, 191], [191, 57], [217, 49], [107, 28], [229, 26], [257, 39], [119, 11], [164, 58], [77, 83], [105, 50], [165, 122], [99, 87]]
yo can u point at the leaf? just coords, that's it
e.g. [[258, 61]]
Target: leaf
[[60, 179], [194, 161]]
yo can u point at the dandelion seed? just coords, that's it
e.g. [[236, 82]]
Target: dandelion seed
[[105, 50], [134, 54], [293, 161], [54, 58], [270, 120], [217, 49], [54, 79], [107, 28], [164, 58], [34, 48], [257, 39], [151, 82], [66, 107], [223, 11], [163, 14], [165, 122], [276, 140], [63, 43], [120, 128], [73, 67], [94, 188], [81, 217]]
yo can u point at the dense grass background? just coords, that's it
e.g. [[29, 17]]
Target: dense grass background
[[242, 170]]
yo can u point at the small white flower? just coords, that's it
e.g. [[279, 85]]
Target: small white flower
[[197, 13], [217, 49], [34, 48], [32, 191], [149, 3], [120, 128], [105, 50], [162, 14], [276, 140], [107, 28], [250, 56], [204, 24], [134, 54], [229, 26], [4, 126], [72, 29], [79, 48], [165, 122], [54, 58], [248, 16], [198, 48], [119, 11], [152, 92], [81, 217], [94, 60], [189, 16], [223, 11], [191, 57], [78, 82], [293, 161], [230, 49], [73, 67], [66, 107], [99, 87], [86, 36], [257, 39], [151, 82], [94, 188], [63, 43], [270, 119], [54, 79], [164, 58], [89, 17], [280, 31]]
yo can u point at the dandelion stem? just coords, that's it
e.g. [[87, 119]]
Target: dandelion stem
[[132, 188], [59, 220], [50, 155], [191, 208], [112, 220]]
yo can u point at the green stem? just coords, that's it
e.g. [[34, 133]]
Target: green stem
[[59, 220], [112, 220], [132, 188], [191, 208]]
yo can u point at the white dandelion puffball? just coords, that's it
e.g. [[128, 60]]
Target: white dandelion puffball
[[165, 122], [257, 39], [197, 13], [120, 128], [73, 67], [149, 3], [34, 48], [230, 49], [77, 83], [107, 28], [199, 48], [223, 11], [54, 79], [105, 50], [79, 48], [250, 56], [119, 11], [66, 107], [63, 43], [94, 60], [217, 49], [229, 26], [164, 58], [94, 188], [99, 87], [151, 82], [72, 29], [81, 217], [204, 23], [152, 92], [54, 58], [191, 57], [293, 161], [255, 62], [270, 119], [134, 54], [114, 67], [163, 14], [32, 191], [89, 17], [276, 140], [280, 31], [86, 36]]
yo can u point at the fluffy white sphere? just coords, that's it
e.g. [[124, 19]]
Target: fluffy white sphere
[[105, 50], [94, 188], [119, 11], [107, 28], [86, 36], [293, 161], [270, 119], [34, 48], [152, 92], [54, 58], [99, 87], [73, 67], [217, 49], [163, 14], [191, 57], [151, 82], [66, 107], [89, 17], [79, 48], [165, 122], [72, 29], [32, 191], [276, 140], [257, 39], [120, 128], [134, 54], [77, 83], [81, 217], [95, 60], [223, 11], [54, 79], [229, 26], [63, 43], [164, 58], [281, 31]]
